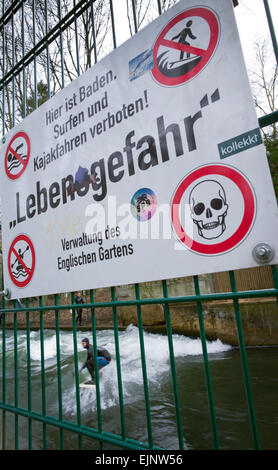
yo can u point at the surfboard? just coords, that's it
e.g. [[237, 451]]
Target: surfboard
[[183, 61], [84, 385]]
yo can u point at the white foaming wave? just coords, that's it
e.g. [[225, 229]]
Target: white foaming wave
[[184, 346], [157, 358], [50, 345], [157, 361], [155, 345]]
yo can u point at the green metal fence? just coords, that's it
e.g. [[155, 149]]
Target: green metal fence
[[36, 62]]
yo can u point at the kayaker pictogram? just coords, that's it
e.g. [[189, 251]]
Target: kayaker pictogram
[[21, 260]]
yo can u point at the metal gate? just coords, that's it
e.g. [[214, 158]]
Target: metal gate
[[46, 44]]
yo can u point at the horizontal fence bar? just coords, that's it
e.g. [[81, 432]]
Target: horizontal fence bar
[[122, 303], [268, 119], [82, 430]]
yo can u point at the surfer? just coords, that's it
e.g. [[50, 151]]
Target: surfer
[[182, 38], [103, 359]]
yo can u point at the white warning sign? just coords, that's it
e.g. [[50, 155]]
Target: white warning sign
[[149, 166]]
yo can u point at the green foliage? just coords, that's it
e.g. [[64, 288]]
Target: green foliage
[[41, 96], [272, 153]]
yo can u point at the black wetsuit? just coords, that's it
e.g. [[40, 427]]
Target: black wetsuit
[[89, 363]]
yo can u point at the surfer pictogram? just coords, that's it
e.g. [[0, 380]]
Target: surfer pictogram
[[182, 39], [185, 46]]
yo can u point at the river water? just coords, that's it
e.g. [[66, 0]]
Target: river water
[[231, 407]]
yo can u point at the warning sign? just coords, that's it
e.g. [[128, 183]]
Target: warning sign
[[148, 166], [21, 260], [185, 45], [221, 203], [17, 155]]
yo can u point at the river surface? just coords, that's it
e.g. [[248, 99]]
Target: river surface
[[232, 417]]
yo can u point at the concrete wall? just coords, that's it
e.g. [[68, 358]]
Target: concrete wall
[[259, 317]]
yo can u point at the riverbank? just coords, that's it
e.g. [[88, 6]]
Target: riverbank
[[259, 316], [259, 320]]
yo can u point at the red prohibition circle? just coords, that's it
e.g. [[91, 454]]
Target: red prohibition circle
[[30, 271], [205, 54], [247, 219], [24, 163]]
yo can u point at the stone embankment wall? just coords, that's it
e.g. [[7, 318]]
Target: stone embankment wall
[[259, 317]]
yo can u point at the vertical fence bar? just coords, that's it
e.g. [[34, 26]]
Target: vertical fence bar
[[77, 394], [59, 376], [47, 51], [3, 74], [275, 277], [271, 29], [76, 42], [35, 57], [94, 30], [93, 321], [173, 365], [118, 361], [23, 55], [159, 7], [13, 80], [134, 16], [244, 364], [61, 46], [3, 320], [113, 24], [29, 388], [15, 377], [144, 368], [206, 365], [43, 375]]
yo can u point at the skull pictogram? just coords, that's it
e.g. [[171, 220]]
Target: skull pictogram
[[209, 208]]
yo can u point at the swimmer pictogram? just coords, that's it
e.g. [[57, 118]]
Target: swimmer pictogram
[[17, 155]]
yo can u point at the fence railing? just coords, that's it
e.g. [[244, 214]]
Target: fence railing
[[35, 36]]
